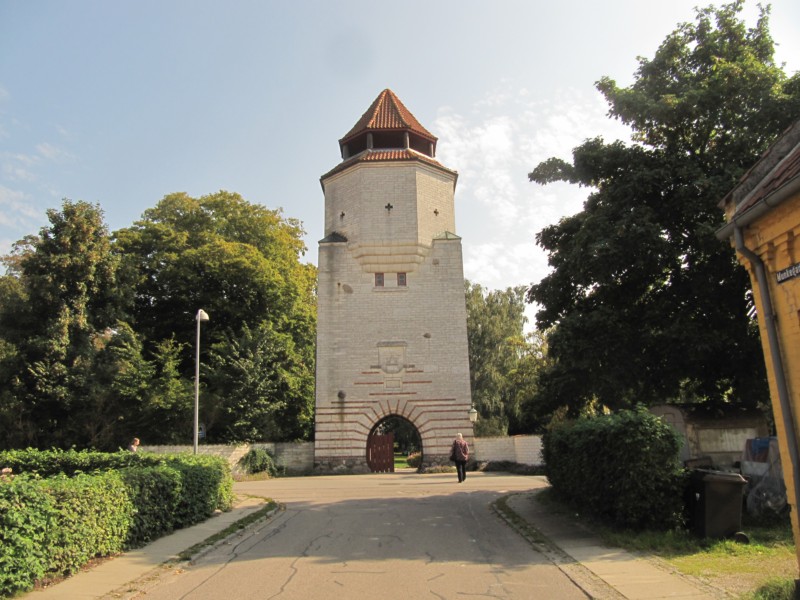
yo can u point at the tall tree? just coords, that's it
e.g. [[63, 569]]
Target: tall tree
[[62, 298], [97, 333], [238, 261], [241, 263], [261, 387], [646, 305], [497, 346]]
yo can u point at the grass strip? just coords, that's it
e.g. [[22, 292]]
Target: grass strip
[[262, 513]]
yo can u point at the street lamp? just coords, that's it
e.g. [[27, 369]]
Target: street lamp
[[473, 414], [201, 316]]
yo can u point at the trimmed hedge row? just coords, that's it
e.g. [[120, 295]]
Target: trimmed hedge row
[[46, 463], [623, 468], [156, 493], [96, 504]]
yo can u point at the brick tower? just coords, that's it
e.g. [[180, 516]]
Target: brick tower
[[391, 330]]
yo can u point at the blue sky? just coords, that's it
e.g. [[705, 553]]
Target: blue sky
[[122, 102]]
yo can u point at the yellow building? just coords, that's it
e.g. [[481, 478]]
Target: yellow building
[[763, 214]]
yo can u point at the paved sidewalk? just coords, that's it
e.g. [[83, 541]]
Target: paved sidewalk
[[632, 577], [116, 572], [620, 574]]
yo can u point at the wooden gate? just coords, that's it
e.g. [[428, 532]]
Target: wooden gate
[[380, 453]]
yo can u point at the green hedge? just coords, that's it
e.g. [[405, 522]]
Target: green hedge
[[46, 463], [93, 516], [623, 468], [155, 493], [94, 504], [27, 514], [207, 485]]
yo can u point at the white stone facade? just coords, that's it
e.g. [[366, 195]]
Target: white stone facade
[[391, 349]]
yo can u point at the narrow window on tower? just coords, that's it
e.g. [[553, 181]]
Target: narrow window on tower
[[378, 279], [401, 280]]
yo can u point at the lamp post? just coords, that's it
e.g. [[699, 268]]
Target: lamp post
[[473, 414], [201, 316]]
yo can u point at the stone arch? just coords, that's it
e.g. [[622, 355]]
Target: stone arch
[[409, 411], [384, 412], [406, 435]]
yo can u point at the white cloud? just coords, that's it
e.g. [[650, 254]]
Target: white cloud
[[494, 145], [18, 167], [15, 210], [51, 152]]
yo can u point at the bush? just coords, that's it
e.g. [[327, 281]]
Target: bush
[[27, 515], [622, 468], [414, 460], [96, 504], [93, 516], [46, 463], [258, 460], [216, 484], [155, 493], [207, 485], [776, 589], [508, 466]]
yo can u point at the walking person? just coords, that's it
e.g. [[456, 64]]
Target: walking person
[[460, 455]]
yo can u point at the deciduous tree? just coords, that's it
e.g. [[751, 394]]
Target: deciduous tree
[[241, 263], [500, 370], [646, 305], [62, 296]]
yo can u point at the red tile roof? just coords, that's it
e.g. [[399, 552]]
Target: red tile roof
[[387, 113], [385, 156]]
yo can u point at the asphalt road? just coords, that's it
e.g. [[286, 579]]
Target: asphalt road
[[382, 536]]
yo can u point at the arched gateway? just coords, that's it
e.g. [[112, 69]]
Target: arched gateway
[[391, 316]]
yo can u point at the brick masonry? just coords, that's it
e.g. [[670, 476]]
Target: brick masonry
[[390, 350]]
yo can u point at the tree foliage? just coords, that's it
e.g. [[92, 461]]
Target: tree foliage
[[59, 303], [238, 261], [97, 340], [262, 386], [503, 361], [646, 305]]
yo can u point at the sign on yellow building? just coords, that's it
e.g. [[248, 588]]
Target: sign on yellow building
[[763, 214]]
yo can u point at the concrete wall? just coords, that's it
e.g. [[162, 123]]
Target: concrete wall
[[721, 438], [522, 449], [294, 457], [298, 457]]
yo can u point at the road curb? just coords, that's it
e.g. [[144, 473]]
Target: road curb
[[593, 586]]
